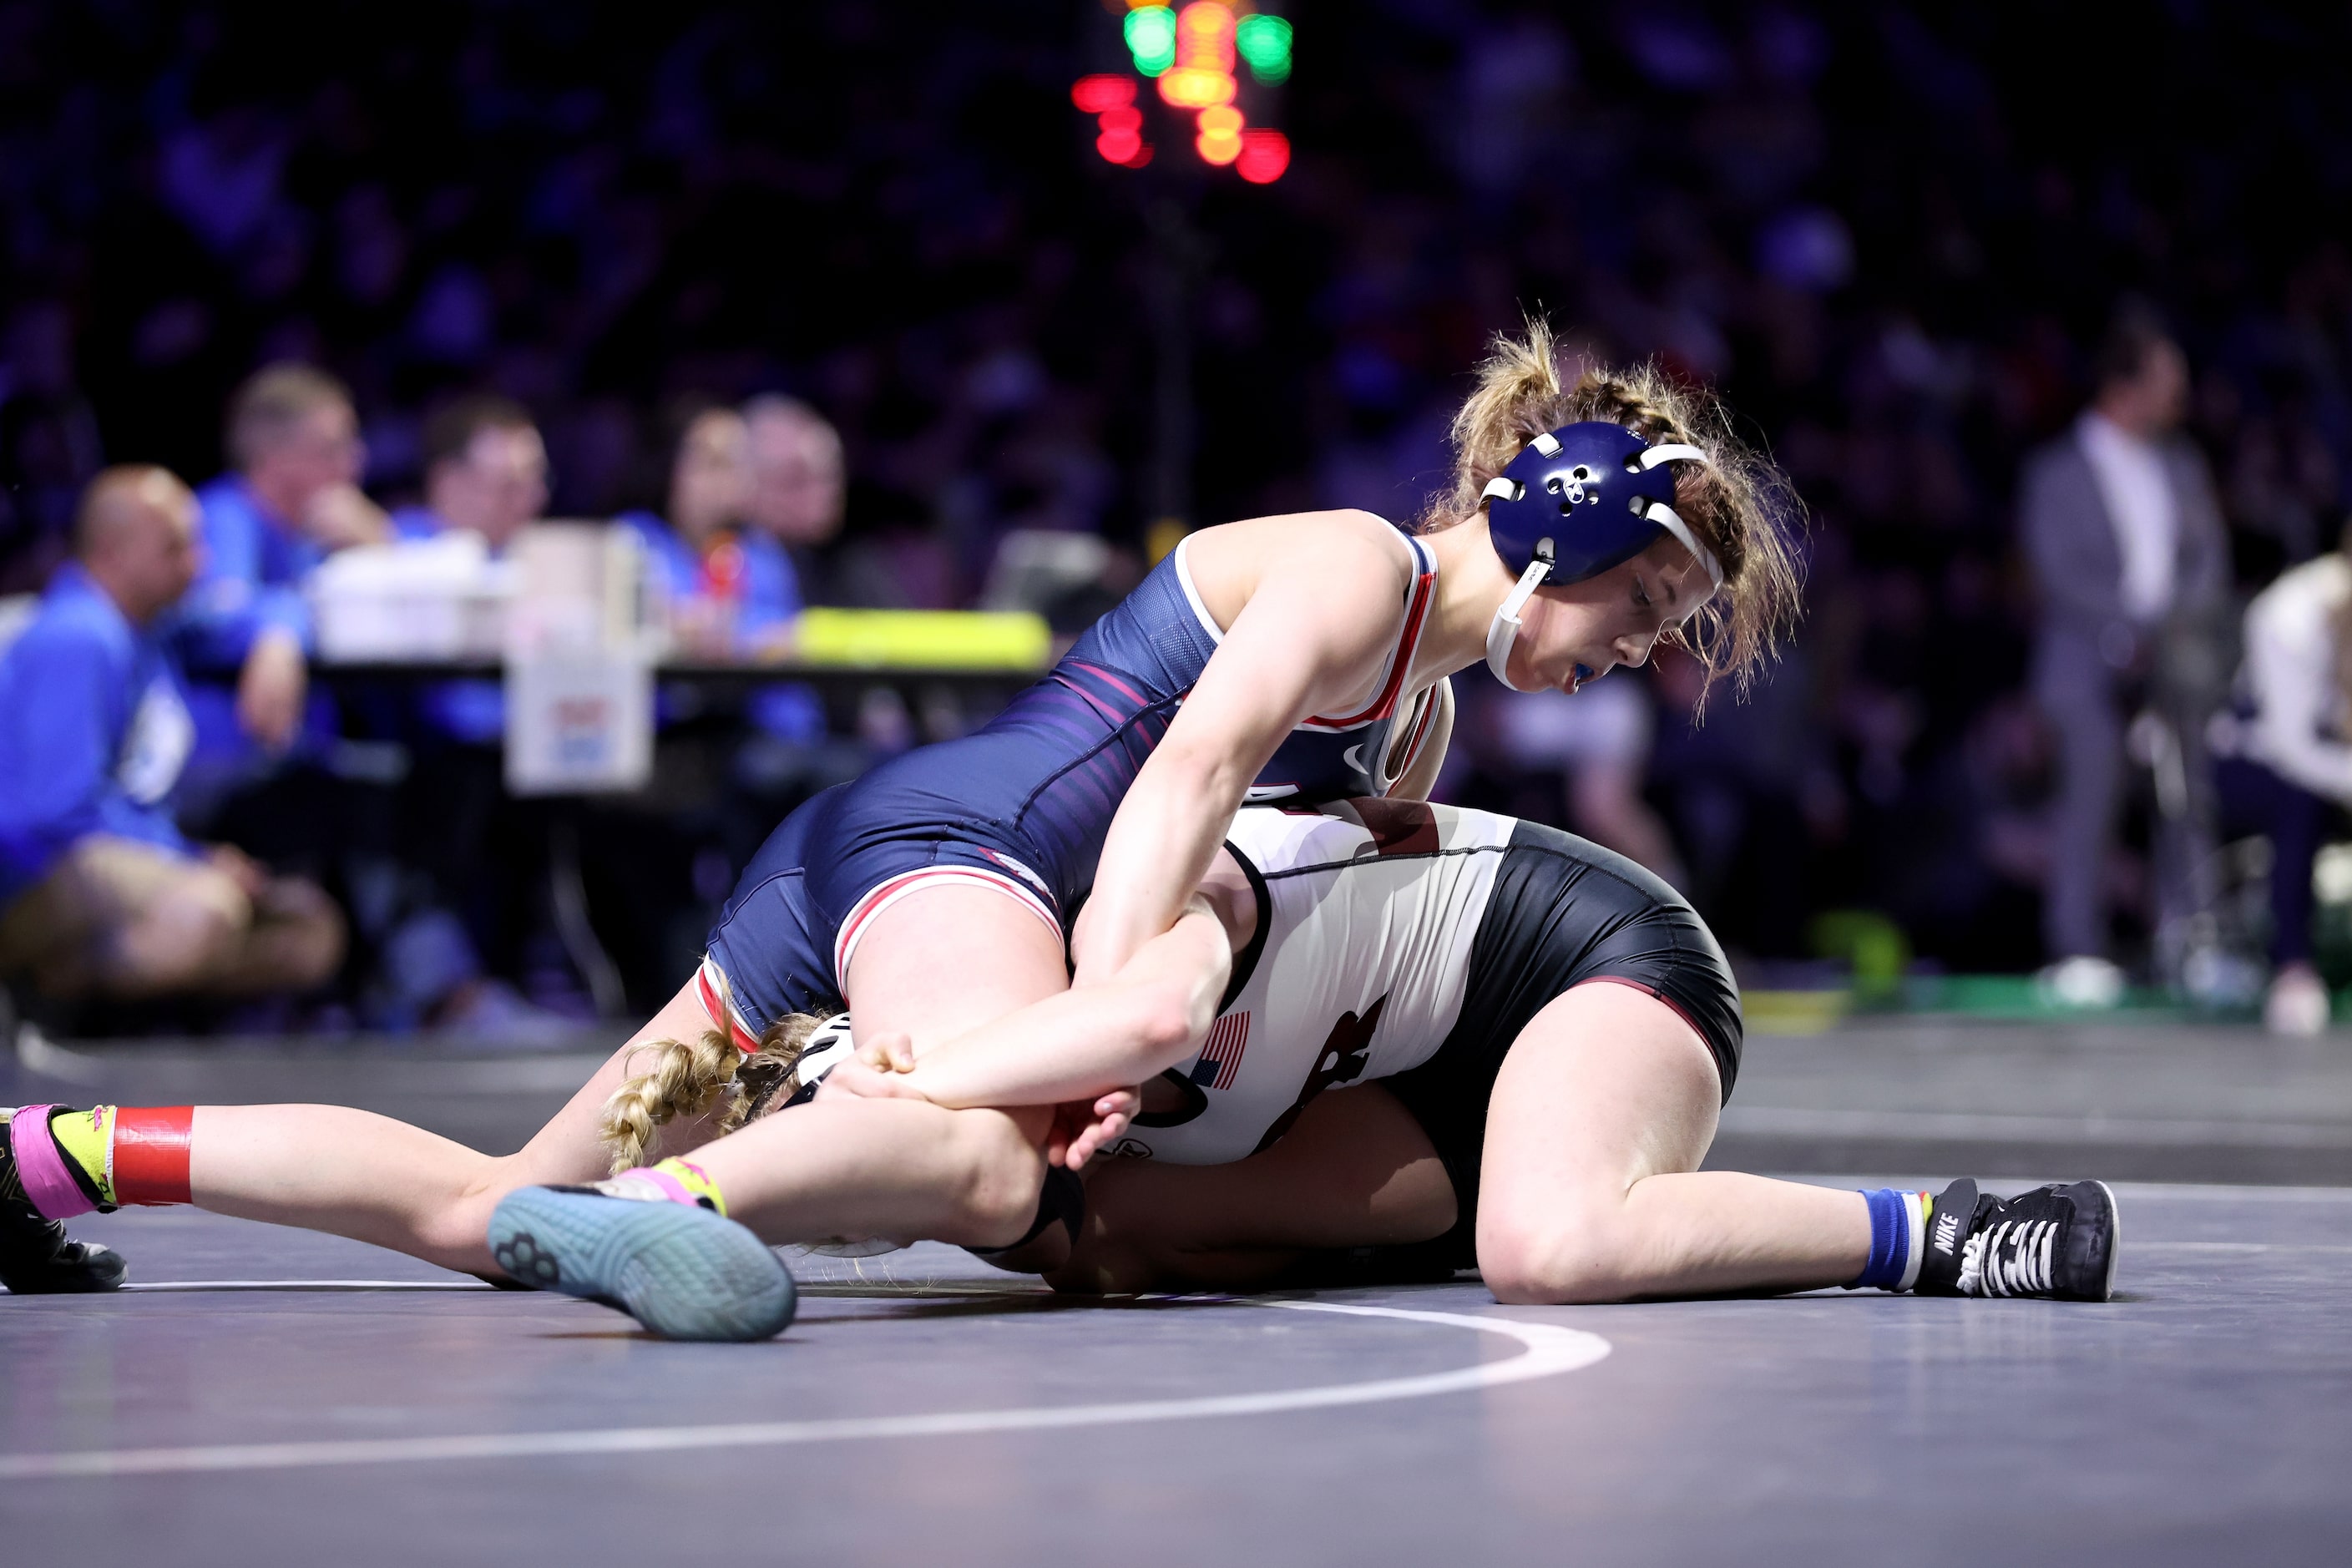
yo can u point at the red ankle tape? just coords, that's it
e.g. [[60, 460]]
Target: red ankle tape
[[151, 1153]]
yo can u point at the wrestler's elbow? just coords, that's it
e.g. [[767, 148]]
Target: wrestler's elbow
[[1166, 1017]]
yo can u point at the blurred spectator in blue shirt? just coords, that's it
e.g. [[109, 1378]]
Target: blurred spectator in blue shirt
[[485, 473], [731, 593], [292, 497], [100, 894], [797, 486], [799, 483]]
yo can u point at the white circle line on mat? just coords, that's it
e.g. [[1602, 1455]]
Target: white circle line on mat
[[1547, 1350], [202, 1285]]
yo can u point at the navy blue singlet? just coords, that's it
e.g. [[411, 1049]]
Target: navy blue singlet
[[1022, 804]]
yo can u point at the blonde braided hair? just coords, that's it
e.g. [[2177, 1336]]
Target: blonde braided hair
[[685, 1080], [1740, 506]]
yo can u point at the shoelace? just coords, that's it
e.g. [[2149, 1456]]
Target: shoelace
[[2008, 1258]]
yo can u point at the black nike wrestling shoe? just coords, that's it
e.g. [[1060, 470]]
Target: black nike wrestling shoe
[[2056, 1242], [36, 1257]]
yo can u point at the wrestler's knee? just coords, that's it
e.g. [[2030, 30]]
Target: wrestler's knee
[[453, 1225], [307, 933], [1573, 1254], [1000, 1171], [186, 932]]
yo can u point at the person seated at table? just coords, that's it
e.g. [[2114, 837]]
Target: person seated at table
[[101, 895], [291, 499], [798, 485], [485, 472], [730, 591]]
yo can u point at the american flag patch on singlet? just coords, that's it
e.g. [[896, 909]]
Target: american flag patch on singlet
[[1221, 1056]]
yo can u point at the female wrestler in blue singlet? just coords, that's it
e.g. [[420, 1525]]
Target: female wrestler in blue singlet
[[1296, 655], [1283, 658]]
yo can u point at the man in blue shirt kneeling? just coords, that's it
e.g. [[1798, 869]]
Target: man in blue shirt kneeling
[[100, 896]]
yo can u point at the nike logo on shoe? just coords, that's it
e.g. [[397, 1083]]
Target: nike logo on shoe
[[1946, 1232]]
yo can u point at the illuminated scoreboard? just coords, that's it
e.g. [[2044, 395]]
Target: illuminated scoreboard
[[1191, 56]]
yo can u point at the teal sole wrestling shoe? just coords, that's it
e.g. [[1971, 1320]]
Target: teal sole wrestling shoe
[[685, 1273]]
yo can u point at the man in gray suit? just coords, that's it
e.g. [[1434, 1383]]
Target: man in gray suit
[[2128, 549]]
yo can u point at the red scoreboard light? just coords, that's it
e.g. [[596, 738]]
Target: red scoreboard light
[[1118, 125], [1193, 54], [1099, 94], [1263, 155]]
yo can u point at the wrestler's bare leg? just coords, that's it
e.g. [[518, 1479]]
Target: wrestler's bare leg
[[1590, 1185], [841, 1166], [1590, 1189], [355, 1173], [945, 959]]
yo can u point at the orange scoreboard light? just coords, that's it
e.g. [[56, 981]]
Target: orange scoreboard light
[[1193, 54]]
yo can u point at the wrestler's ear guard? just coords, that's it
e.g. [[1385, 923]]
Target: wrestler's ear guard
[[1575, 502]]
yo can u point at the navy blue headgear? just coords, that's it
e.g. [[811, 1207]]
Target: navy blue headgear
[[1575, 502]]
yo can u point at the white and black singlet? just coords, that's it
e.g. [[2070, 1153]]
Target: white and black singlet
[[1411, 943]]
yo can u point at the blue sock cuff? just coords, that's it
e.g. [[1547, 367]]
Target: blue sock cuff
[[1890, 1242]]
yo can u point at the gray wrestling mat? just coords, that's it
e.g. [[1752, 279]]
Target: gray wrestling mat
[[266, 1396], [928, 1410], [2133, 1102]]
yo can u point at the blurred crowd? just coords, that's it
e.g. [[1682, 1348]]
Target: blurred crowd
[[165, 753], [829, 300]]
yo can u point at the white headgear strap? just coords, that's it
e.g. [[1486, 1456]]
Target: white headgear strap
[[1664, 517], [1504, 629]]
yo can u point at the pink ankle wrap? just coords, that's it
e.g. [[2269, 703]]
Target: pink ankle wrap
[[669, 1184], [48, 1186]]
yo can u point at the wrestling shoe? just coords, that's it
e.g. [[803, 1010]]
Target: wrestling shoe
[[684, 1272], [36, 1257], [2057, 1242]]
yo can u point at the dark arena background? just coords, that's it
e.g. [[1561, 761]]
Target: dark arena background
[[856, 358]]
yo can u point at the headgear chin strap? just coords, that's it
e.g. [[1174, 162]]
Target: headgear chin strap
[[1504, 629], [1575, 502]]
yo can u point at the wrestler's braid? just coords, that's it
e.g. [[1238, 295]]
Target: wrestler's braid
[[687, 1079]]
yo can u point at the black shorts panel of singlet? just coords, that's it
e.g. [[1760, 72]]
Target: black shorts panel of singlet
[[1564, 911]]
